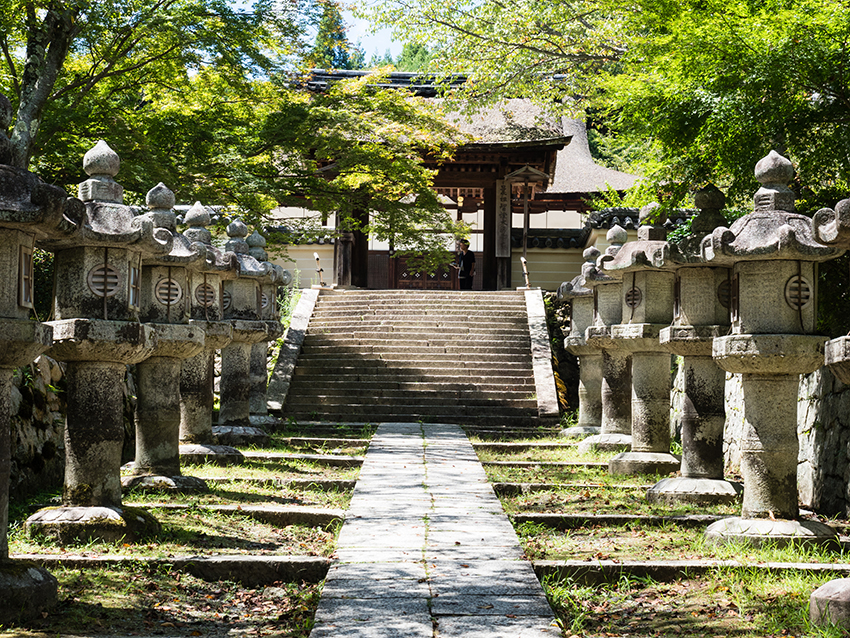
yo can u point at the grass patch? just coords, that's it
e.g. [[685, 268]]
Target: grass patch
[[729, 602], [283, 469], [156, 600], [199, 531], [565, 475], [605, 499]]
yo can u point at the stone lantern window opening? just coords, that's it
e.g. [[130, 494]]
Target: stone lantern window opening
[[134, 290], [677, 297], [25, 276], [225, 299], [633, 298], [264, 300], [595, 306], [724, 293], [734, 298]]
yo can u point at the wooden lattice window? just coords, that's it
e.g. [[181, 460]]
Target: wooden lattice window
[[25, 277]]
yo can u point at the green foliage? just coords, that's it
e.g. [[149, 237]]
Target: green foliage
[[413, 57], [42, 284], [331, 49]]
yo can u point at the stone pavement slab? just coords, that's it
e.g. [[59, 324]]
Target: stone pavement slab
[[426, 549]]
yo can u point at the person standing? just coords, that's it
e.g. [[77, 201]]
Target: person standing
[[465, 265]]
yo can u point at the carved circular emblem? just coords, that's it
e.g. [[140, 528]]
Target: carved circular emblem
[[724, 293], [798, 292], [264, 301], [205, 295], [168, 292], [104, 280], [634, 297], [225, 300]]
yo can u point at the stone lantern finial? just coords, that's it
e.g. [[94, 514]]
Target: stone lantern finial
[[237, 231], [773, 173], [101, 163], [710, 201], [257, 244], [160, 200], [616, 236], [197, 219]]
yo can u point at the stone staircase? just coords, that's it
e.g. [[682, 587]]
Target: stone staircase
[[435, 356]]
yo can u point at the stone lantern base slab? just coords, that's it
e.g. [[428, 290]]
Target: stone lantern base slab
[[26, 590], [156, 483], [762, 531], [83, 524], [100, 340], [606, 443], [630, 463], [240, 435], [21, 341], [829, 604], [769, 354], [217, 454], [259, 420], [701, 491], [580, 431]]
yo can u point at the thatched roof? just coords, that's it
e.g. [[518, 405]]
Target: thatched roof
[[575, 170], [509, 121]]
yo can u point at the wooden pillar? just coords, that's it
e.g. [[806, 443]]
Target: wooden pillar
[[343, 258], [489, 271], [360, 252]]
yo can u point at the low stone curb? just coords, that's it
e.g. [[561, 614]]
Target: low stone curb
[[522, 447], [281, 516], [250, 571], [332, 460], [515, 489], [572, 521], [301, 440], [607, 571], [295, 484], [543, 464]]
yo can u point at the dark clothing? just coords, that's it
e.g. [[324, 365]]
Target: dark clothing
[[466, 266]]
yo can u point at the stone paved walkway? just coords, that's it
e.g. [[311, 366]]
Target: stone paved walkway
[[426, 549]]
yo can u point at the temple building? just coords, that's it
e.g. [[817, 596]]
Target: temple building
[[513, 142]]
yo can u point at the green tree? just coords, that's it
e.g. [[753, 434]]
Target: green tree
[[413, 57], [332, 50], [56, 53]]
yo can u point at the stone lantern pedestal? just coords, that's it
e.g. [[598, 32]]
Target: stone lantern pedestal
[[701, 314], [772, 253], [615, 394], [590, 358], [647, 308], [97, 332]]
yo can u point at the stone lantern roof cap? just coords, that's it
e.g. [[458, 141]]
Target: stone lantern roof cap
[[772, 231], [257, 246], [216, 260], [832, 227], [593, 274], [27, 202], [639, 255], [577, 287]]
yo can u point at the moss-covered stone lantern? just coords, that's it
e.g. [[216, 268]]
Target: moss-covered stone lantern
[[97, 331], [166, 306], [700, 313], [197, 443], [590, 358], [772, 253], [616, 433], [647, 307]]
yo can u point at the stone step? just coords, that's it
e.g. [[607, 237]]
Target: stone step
[[497, 311], [378, 412], [344, 338], [419, 295], [416, 350], [357, 385], [428, 359], [506, 373], [412, 323], [508, 423], [383, 396], [418, 405], [391, 332]]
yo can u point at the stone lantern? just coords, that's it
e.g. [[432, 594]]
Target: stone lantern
[[590, 358], [166, 306], [96, 330], [197, 373], [700, 313], [772, 253], [29, 210], [242, 306], [615, 434], [270, 313], [647, 307]]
